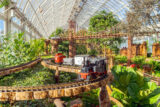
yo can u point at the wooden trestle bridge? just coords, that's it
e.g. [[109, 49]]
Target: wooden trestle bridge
[[72, 36], [8, 93]]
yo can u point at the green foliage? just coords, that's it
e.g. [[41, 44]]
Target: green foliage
[[90, 99], [57, 32], [29, 77], [64, 48], [156, 73], [36, 76], [132, 89], [4, 3], [120, 59], [102, 21], [67, 77], [81, 49], [139, 60], [93, 52], [15, 50], [155, 65]]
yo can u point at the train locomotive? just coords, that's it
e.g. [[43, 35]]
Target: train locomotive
[[91, 67]]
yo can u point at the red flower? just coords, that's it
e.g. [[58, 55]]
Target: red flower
[[133, 65]]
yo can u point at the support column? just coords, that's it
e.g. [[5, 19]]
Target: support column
[[104, 100], [111, 63], [57, 75], [72, 50], [72, 30], [129, 51], [54, 46], [23, 29], [7, 23], [58, 102], [46, 45]]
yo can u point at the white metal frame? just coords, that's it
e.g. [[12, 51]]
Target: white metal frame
[[60, 12]]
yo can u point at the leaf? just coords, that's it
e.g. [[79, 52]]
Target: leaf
[[117, 90], [133, 90]]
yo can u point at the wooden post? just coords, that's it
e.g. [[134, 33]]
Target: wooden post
[[57, 75], [72, 30], [111, 63], [129, 53], [104, 100], [54, 46], [46, 45], [71, 49], [154, 50], [58, 102], [104, 51]]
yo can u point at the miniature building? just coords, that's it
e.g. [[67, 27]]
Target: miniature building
[[137, 49], [123, 51], [143, 49], [156, 50]]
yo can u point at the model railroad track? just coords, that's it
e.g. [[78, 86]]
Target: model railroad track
[[8, 93], [50, 91], [9, 70], [65, 68], [154, 79]]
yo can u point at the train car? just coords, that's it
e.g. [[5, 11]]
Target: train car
[[59, 58], [94, 68], [91, 67]]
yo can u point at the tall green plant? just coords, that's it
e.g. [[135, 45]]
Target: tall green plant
[[57, 32], [15, 50], [64, 48], [81, 49], [101, 22]]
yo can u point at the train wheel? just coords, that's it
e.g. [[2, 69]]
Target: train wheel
[[93, 76]]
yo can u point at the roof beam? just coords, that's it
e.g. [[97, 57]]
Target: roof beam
[[76, 9], [21, 15], [38, 18], [62, 13], [103, 4], [125, 5]]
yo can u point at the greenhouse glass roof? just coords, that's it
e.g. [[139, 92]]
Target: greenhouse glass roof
[[47, 15]]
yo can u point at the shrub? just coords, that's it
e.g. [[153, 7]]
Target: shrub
[[93, 52], [132, 89], [139, 60], [120, 59]]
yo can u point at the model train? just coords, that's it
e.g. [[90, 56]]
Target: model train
[[92, 67]]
